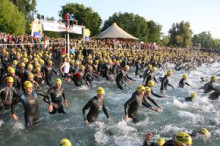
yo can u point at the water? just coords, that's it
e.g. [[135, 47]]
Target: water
[[176, 116]]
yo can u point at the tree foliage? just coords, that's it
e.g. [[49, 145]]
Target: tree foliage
[[180, 35], [85, 16], [136, 25], [11, 20], [205, 40]]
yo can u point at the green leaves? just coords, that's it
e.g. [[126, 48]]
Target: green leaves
[[136, 25], [11, 20], [85, 16], [181, 35]]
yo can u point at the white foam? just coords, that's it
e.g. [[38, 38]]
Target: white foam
[[194, 117], [18, 126], [1, 122]]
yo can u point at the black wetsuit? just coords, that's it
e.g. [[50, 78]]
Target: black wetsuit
[[182, 83], [150, 76], [89, 77], [156, 95], [30, 103], [138, 67], [170, 143], [214, 95], [189, 99], [106, 70], [48, 74], [95, 105], [55, 96], [146, 143], [132, 105], [165, 83], [149, 98], [121, 77], [8, 94], [208, 87], [17, 83]]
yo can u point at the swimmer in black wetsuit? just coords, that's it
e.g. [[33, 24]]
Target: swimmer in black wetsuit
[[55, 95], [208, 87], [181, 139], [7, 94], [189, 99], [147, 96], [89, 76], [151, 84], [48, 72], [214, 95], [132, 105], [165, 81], [150, 76], [183, 82], [96, 104], [29, 100], [123, 76]]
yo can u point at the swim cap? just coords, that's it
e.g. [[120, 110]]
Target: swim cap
[[169, 72], [213, 78], [160, 141], [30, 66], [150, 83], [193, 95], [65, 142], [100, 90], [127, 67], [183, 138], [147, 89], [154, 69], [30, 75], [11, 70], [185, 76], [204, 131], [82, 67], [22, 64], [10, 79], [149, 66], [50, 62], [58, 81], [28, 84], [140, 88], [90, 61], [15, 62]]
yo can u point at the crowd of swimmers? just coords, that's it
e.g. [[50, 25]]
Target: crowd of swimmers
[[24, 70]]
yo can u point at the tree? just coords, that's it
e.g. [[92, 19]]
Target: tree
[[154, 32], [180, 34], [27, 7], [11, 20], [204, 39], [85, 16], [133, 24]]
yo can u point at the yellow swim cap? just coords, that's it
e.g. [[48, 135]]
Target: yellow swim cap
[[22, 64], [183, 138], [149, 66], [10, 79], [127, 67], [30, 75], [58, 81], [11, 70], [15, 62], [28, 84], [204, 131], [38, 68], [82, 67], [160, 141], [50, 62], [213, 78], [193, 95], [147, 89], [154, 69], [100, 90], [65, 142], [30, 66], [150, 83], [169, 72], [140, 88], [185, 76]]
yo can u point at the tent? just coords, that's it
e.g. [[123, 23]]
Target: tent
[[115, 31]]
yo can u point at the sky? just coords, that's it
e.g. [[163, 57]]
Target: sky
[[203, 15]]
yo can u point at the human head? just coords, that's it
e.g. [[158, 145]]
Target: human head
[[185, 76], [100, 92], [65, 142], [193, 95], [140, 89], [150, 83], [28, 86], [160, 141], [126, 68], [204, 132], [58, 83], [213, 78], [183, 139], [10, 81], [147, 91]]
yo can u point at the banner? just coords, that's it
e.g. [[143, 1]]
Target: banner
[[61, 27], [36, 29]]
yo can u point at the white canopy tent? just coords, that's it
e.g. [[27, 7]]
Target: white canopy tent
[[115, 31]]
